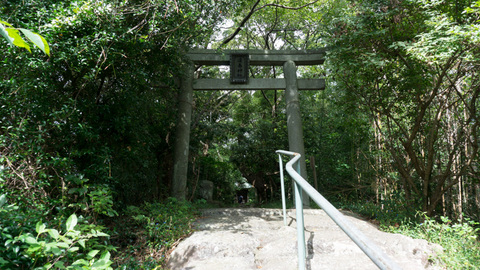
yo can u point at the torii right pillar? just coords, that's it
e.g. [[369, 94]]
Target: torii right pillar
[[294, 119]]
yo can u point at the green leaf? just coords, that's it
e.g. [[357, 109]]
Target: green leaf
[[4, 33], [105, 256], [100, 264], [37, 39], [73, 249], [60, 265], [71, 222], [40, 227], [71, 235], [80, 262], [17, 39], [33, 248], [62, 245], [92, 254], [53, 233], [82, 242], [29, 240], [56, 251], [100, 234], [3, 261], [3, 197], [6, 23]]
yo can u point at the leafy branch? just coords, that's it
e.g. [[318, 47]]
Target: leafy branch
[[12, 36], [286, 7], [255, 9]]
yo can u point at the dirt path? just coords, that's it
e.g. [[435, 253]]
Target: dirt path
[[252, 238]]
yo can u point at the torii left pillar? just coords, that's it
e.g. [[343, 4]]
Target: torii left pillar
[[182, 141]]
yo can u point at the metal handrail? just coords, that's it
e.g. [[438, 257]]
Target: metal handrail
[[377, 256]]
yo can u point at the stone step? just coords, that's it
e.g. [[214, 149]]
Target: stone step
[[253, 238]]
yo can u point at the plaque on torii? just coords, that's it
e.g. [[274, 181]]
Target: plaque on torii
[[239, 65]]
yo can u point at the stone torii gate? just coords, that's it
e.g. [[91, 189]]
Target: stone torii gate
[[239, 60]]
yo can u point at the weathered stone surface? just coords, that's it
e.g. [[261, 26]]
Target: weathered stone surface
[[205, 190], [256, 84], [216, 251], [259, 57], [257, 239]]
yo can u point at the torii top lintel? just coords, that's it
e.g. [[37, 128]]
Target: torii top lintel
[[258, 57]]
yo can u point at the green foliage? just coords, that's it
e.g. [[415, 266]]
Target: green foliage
[[86, 111], [147, 233], [403, 64], [39, 247], [459, 240], [93, 200], [222, 173], [333, 125], [278, 204], [259, 130], [387, 213], [13, 38], [90, 129], [461, 248], [102, 201], [164, 223]]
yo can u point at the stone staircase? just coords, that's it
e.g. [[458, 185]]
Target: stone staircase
[[252, 238]]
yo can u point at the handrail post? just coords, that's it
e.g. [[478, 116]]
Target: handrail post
[[282, 184], [366, 245], [300, 224]]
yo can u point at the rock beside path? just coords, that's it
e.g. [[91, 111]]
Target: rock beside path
[[252, 238]]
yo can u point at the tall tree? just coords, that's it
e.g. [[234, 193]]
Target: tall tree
[[99, 107], [414, 64]]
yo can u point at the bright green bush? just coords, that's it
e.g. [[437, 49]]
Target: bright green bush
[[13, 224], [461, 248], [93, 200], [28, 246]]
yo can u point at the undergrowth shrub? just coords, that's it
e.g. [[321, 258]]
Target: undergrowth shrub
[[388, 213], [147, 233], [92, 200], [461, 248], [29, 244]]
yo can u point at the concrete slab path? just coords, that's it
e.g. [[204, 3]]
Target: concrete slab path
[[253, 238]]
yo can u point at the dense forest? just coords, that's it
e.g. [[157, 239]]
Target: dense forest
[[88, 122]]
